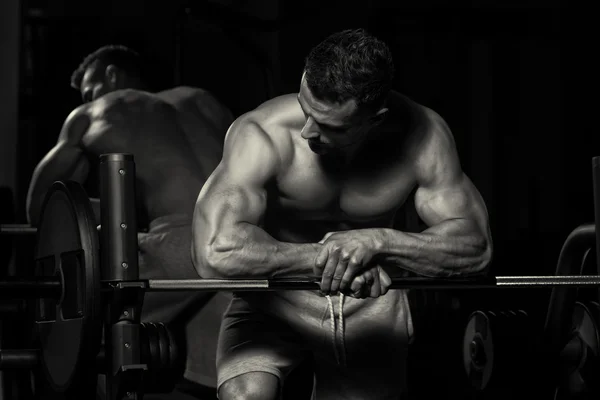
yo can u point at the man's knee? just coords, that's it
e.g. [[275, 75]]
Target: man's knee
[[250, 386]]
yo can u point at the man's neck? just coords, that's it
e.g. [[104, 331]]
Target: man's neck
[[137, 84], [353, 150], [339, 160]]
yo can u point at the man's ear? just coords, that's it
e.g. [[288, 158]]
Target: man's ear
[[111, 73]]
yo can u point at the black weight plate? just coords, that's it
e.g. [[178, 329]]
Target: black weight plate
[[153, 346], [578, 359], [69, 329], [163, 346], [168, 375], [175, 360], [144, 345], [585, 326], [478, 334]]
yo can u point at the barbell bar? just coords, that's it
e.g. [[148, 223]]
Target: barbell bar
[[52, 288], [17, 229], [20, 229], [19, 358], [35, 288], [493, 282]]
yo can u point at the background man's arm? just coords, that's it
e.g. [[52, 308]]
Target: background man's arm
[[458, 240], [228, 241], [65, 161]]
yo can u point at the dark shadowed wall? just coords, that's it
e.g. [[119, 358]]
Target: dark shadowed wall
[[509, 77]]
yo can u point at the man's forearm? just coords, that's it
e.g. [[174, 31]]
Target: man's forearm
[[250, 252], [452, 248]]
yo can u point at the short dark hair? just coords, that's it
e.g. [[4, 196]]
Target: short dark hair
[[118, 55], [351, 64]]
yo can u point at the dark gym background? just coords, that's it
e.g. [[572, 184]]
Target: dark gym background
[[512, 79]]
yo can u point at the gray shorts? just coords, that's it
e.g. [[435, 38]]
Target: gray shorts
[[165, 253], [359, 354]]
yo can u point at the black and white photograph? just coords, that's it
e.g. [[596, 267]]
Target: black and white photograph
[[299, 200]]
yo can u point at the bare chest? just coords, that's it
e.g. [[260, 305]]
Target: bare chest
[[361, 195]]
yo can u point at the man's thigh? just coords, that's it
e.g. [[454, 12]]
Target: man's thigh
[[251, 341]]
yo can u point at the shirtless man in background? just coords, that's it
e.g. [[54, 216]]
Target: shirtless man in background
[[308, 186], [176, 137]]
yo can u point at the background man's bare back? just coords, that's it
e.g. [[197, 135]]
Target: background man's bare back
[[176, 137]]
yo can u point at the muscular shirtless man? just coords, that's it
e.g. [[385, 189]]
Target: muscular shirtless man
[[176, 137], [308, 186]]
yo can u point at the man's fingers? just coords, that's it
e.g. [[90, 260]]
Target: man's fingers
[[322, 258], [330, 266], [367, 282], [357, 287], [357, 284], [385, 280], [374, 282], [376, 286], [350, 272], [339, 273]]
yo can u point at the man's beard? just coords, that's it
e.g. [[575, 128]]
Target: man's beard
[[318, 148]]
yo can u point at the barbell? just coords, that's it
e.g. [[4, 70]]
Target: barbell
[[16, 288], [17, 229], [87, 283]]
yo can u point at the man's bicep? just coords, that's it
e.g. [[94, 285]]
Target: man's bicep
[[223, 202], [236, 191], [457, 199], [444, 191], [221, 207]]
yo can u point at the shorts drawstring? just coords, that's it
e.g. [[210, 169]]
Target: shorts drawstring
[[340, 360]]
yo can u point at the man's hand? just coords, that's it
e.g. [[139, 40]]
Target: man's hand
[[373, 282], [343, 256]]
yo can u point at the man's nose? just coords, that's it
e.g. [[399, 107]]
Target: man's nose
[[309, 131]]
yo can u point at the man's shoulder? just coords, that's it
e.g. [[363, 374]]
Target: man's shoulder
[[202, 99], [431, 145], [91, 111], [125, 94], [434, 130], [406, 107], [181, 93], [273, 120], [424, 126], [281, 102], [119, 101], [416, 128], [275, 115], [115, 107], [82, 115]]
